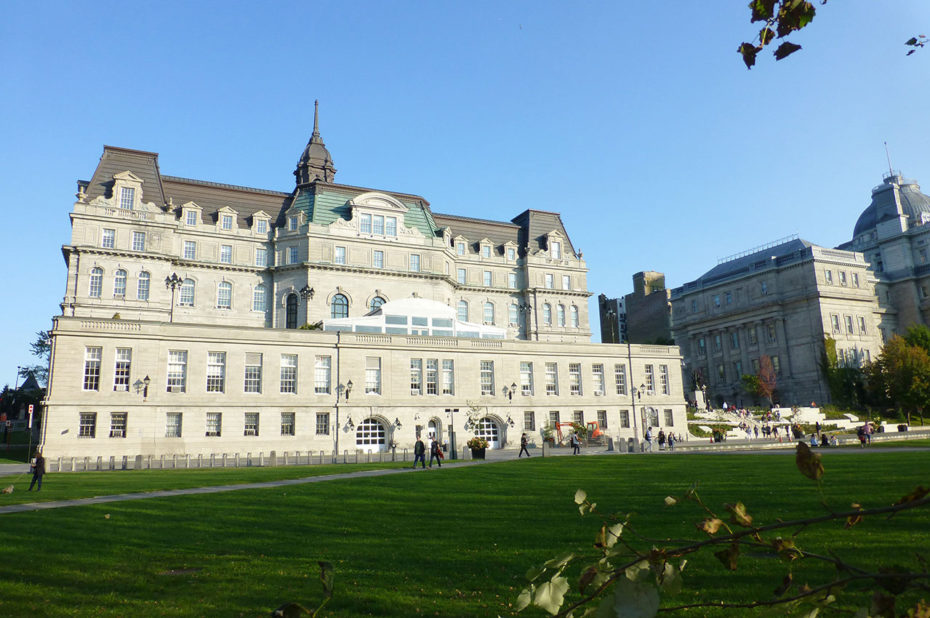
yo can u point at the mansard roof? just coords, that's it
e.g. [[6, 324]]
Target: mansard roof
[[115, 160], [753, 260], [536, 224]]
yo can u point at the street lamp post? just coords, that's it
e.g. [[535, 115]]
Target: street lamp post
[[173, 283], [452, 412], [307, 293]]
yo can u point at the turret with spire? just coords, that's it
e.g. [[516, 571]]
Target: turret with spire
[[315, 162]]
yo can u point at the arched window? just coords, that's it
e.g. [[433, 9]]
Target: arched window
[[187, 293], [370, 435], [514, 315], [290, 311], [340, 307], [258, 297], [119, 283], [574, 314], [96, 283], [142, 290], [489, 313], [488, 429], [224, 295], [376, 302], [462, 311], [547, 314], [561, 314]]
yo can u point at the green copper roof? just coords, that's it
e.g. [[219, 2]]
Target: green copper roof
[[325, 206]]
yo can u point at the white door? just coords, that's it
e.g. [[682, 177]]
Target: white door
[[370, 436], [489, 430]]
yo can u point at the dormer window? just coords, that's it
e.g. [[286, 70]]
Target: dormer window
[[190, 217], [364, 225], [460, 248], [486, 251], [556, 251], [511, 254], [226, 222], [261, 226], [292, 223], [127, 196]]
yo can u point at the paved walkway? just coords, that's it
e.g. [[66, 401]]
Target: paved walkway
[[492, 456]]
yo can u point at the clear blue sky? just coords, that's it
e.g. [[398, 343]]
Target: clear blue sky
[[636, 120]]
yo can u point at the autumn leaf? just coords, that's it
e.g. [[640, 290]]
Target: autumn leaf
[[786, 49], [728, 556], [915, 495], [808, 462], [749, 51], [739, 515], [711, 525]]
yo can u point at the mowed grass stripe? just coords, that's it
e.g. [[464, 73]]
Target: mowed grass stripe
[[455, 542]]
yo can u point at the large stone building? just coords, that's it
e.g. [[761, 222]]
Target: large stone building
[[780, 301], [180, 331]]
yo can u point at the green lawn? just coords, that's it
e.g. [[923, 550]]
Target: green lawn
[[450, 542]]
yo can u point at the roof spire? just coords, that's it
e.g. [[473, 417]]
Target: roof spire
[[888, 157], [316, 119]]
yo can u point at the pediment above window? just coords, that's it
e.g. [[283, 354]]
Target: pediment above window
[[378, 201]]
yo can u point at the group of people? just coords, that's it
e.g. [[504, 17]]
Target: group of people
[[435, 452], [666, 440]]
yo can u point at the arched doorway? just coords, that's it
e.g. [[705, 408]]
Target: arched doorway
[[434, 430], [290, 311], [488, 429], [652, 417], [371, 436]]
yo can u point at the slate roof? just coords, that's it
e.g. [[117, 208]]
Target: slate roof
[[883, 207], [211, 197], [754, 261], [498, 232], [141, 163], [536, 224]]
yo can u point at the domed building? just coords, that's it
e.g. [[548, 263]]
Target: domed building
[[893, 234]]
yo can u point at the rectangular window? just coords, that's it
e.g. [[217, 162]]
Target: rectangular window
[[512, 280], [597, 374], [448, 376], [861, 325], [372, 375], [776, 365], [121, 369], [553, 418], [340, 255], [526, 378], [322, 371], [414, 263], [620, 378], [734, 340], [251, 424], [117, 424], [177, 371], [855, 280], [487, 377], [663, 380], [126, 197], [486, 251], [390, 226], [108, 240], [753, 335], [828, 277], [88, 425], [190, 217], [487, 278], [755, 366], [460, 248], [717, 343], [226, 222], [92, 357], [548, 281], [416, 376], [574, 378], [226, 254], [377, 225], [566, 282], [625, 419], [578, 417], [721, 373], [214, 424], [702, 347], [849, 324], [253, 373], [764, 288], [552, 379], [728, 298], [489, 313], [173, 425], [737, 369], [261, 257], [669, 418], [119, 284], [292, 256], [556, 250], [288, 373], [716, 300], [460, 275], [292, 223], [842, 274], [377, 259], [287, 423], [602, 419], [364, 225], [432, 376], [511, 254], [261, 226], [650, 379], [190, 250], [529, 421], [138, 241], [322, 423], [770, 331], [216, 372]]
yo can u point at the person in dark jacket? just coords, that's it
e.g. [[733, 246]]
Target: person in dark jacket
[[38, 469], [419, 453], [434, 452], [523, 447]]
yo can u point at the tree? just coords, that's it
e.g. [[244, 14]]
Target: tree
[[784, 17], [846, 384], [41, 348], [905, 375]]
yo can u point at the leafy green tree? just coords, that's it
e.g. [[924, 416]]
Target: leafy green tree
[[846, 384], [41, 348], [905, 375], [918, 335]]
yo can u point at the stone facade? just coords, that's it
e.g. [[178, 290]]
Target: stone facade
[[180, 325]]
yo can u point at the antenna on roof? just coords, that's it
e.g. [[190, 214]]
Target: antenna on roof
[[888, 156]]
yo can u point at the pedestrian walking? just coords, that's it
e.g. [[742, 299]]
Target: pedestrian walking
[[576, 444], [523, 447], [671, 441], [435, 451], [661, 439], [648, 445], [38, 470], [419, 453]]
